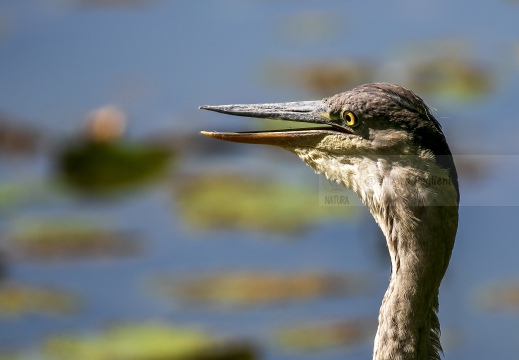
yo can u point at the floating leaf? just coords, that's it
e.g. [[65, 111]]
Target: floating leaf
[[106, 167], [141, 342], [16, 138], [505, 296], [322, 336], [129, 342], [451, 77], [17, 300], [101, 162], [323, 78], [240, 289], [239, 201], [13, 193], [65, 239]]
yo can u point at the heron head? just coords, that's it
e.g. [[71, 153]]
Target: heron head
[[377, 119], [367, 119]]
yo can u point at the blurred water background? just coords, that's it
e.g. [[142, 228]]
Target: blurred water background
[[124, 234]]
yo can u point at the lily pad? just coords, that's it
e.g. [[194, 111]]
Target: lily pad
[[253, 289], [67, 239], [103, 168], [234, 201], [450, 77], [16, 138], [141, 342], [18, 299], [16, 192], [323, 336], [323, 78], [102, 162], [500, 297]]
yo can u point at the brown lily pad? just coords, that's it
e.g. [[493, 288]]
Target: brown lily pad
[[322, 336], [19, 299], [253, 289], [323, 78], [500, 297], [62, 240]]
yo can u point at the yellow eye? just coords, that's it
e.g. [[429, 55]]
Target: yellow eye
[[349, 118]]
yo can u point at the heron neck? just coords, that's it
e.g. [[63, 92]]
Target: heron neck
[[419, 222], [408, 325], [420, 253]]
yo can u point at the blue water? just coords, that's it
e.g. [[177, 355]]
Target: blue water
[[160, 60]]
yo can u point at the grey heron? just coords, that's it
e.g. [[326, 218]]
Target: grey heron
[[381, 141]]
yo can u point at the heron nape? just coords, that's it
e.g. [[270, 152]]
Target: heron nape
[[381, 141]]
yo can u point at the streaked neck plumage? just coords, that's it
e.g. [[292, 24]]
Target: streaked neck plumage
[[415, 204]]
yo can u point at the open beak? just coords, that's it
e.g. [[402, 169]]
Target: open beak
[[312, 112]]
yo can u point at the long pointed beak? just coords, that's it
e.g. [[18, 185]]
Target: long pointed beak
[[300, 111], [313, 112]]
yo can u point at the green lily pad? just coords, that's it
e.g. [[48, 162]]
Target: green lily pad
[[139, 342], [235, 201], [95, 167], [450, 77], [16, 192]]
